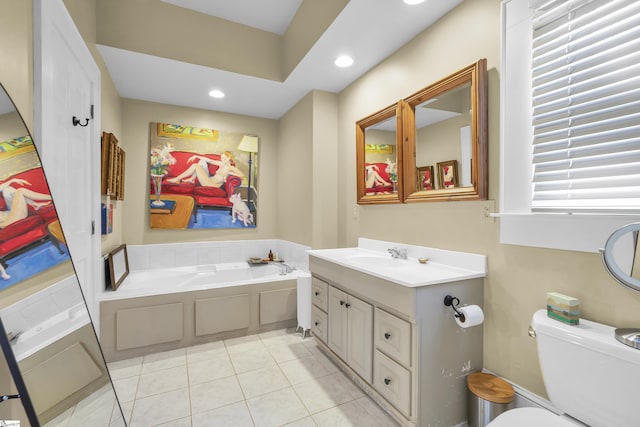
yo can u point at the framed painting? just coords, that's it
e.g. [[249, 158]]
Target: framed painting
[[118, 263], [448, 174], [425, 178], [202, 178]]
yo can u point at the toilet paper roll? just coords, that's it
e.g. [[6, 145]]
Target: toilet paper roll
[[473, 316]]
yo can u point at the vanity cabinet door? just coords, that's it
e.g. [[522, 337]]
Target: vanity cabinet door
[[360, 336], [338, 322]]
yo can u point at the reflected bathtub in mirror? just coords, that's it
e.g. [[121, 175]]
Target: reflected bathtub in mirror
[[50, 344], [379, 157], [621, 258], [446, 125]]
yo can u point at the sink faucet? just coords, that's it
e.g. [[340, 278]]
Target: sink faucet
[[396, 253], [285, 268], [13, 337]]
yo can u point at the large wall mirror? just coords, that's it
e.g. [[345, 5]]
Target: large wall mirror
[[46, 334], [445, 139], [379, 157]]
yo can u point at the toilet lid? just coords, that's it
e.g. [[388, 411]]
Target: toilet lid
[[530, 417]]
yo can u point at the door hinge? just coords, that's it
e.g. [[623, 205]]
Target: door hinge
[[91, 111], [93, 228]]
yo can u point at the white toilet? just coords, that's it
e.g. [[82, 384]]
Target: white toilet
[[589, 376]]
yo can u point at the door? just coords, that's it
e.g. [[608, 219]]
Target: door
[[67, 84], [338, 322], [360, 337]]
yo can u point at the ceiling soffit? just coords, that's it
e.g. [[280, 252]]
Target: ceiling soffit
[[161, 29]]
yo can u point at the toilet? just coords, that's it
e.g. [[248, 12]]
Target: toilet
[[590, 377]]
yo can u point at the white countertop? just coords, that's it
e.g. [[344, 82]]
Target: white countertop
[[371, 257]]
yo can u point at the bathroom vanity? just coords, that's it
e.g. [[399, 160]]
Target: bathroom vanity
[[383, 321]]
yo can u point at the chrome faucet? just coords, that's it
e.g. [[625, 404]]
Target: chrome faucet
[[398, 253], [13, 337], [285, 268]]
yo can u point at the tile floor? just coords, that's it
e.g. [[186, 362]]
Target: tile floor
[[271, 379], [100, 409]]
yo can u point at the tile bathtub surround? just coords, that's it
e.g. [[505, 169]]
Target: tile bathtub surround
[[271, 379], [168, 255]]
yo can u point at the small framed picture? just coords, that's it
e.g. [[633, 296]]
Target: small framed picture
[[448, 174], [118, 263], [425, 178]]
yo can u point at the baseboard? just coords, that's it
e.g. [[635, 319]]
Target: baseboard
[[526, 398]]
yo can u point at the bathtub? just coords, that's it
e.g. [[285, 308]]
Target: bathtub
[[161, 281], [51, 330]]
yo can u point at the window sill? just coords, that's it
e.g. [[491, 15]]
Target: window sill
[[577, 232]]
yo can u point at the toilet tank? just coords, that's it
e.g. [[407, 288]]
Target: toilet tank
[[588, 374]]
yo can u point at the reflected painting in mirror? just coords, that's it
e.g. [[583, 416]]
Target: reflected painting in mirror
[[446, 125], [379, 157], [47, 336]]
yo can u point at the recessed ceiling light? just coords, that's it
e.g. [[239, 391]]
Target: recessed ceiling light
[[412, 2], [216, 93], [344, 61]]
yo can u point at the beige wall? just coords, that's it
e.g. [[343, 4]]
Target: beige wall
[[519, 277], [135, 141], [16, 55]]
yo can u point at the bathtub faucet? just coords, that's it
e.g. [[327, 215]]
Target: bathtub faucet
[[396, 253], [285, 268], [13, 337]]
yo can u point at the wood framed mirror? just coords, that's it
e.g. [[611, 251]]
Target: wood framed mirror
[[445, 125], [379, 156]]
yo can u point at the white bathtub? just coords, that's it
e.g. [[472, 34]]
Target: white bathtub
[[51, 330]]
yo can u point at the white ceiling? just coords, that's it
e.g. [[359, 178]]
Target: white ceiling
[[268, 15], [368, 30]]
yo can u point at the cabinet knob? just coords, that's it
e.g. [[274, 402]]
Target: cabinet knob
[[317, 323], [347, 305], [317, 293], [341, 302], [387, 381], [387, 335]]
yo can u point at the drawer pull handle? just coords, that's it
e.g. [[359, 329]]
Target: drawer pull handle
[[387, 381], [387, 335], [348, 305], [317, 293], [317, 323], [341, 302]]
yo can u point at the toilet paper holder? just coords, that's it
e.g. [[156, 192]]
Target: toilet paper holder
[[452, 302]]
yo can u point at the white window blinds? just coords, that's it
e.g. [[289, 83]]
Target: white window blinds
[[586, 106]]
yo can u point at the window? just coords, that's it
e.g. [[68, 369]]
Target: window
[[570, 122]]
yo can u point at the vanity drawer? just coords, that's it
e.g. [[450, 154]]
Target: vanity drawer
[[393, 382], [319, 292], [392, 336], [319, 323]]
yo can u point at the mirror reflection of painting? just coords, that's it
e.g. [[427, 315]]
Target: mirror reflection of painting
[[425, 178], [202, 178], [31, 240], [380, 168], [448, 174]]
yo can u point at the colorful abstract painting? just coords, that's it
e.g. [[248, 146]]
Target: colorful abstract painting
[[196, 184]]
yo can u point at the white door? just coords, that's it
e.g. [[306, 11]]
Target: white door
[[67, 84]]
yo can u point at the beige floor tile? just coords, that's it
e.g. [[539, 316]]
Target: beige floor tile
[[244, 344], [182, 422], [202, 352], [126, 388], [356, 413], [125, 368], [117, 417], [163, 360], [323, 393], [162, 381], [214, 394], [341, 378], [94, 410], [276, 408], [305, 422], [61, 420], [375, 412], [305, 369], [286, 352], [326, 362], [127, 409], [209, 370], [281, 337], [160, 408], [262, 381], [236, 415], [251, 360]]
